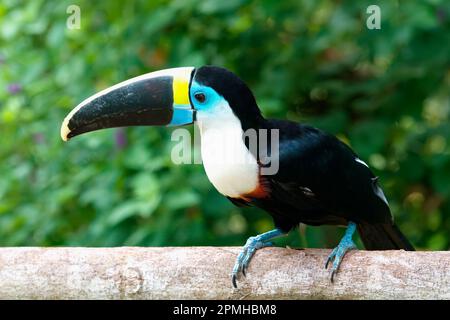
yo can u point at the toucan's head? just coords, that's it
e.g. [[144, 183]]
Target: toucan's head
[[169, 97]]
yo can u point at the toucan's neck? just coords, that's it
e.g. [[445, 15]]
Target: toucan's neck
[[250, 117]]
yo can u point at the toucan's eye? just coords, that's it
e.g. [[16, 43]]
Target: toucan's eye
[[200, 97]]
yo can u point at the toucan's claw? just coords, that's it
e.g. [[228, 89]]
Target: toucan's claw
[[332, 275], [329, 259], [246, 254], [337, 256], [233, 280], [339, 252]]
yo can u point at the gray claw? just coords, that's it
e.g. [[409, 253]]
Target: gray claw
[[327, 262], [337, 255], [244, 257], [332, 276], [233, 280]]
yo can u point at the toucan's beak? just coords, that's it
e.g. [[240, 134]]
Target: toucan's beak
[[157, 98]]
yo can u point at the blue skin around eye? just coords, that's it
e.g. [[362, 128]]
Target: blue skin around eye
[[212, 97]]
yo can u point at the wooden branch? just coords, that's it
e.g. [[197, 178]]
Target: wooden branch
[[204, 273]]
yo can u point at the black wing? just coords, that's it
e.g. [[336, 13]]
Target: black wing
[[323, 180]]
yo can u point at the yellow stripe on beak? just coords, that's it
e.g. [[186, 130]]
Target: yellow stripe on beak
[[181, 88]]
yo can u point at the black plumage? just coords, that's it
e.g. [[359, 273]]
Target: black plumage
[[340, 188]]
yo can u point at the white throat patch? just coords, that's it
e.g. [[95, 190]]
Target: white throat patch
[[229, 165]]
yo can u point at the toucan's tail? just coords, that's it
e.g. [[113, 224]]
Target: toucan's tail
[[383, 237]]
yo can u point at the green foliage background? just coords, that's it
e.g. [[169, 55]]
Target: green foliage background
[[385, 92]]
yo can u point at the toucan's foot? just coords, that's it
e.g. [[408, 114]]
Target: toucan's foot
[[247, 252], [339, 252]]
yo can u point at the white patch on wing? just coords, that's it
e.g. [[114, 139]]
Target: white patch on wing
[[376, 188], [307, 192], [229, 165], [362, 162], [379, 192]]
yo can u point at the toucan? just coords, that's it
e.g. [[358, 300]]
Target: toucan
[[319, 179]]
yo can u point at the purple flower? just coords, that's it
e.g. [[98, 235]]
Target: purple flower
[[121, 138], [441, 15], [38, 138], [14, 88]]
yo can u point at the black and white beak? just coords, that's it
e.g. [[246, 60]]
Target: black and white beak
[[159, 98]]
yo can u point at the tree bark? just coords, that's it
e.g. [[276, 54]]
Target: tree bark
[[204, 273]]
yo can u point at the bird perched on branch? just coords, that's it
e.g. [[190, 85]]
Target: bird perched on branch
[[317, 179]]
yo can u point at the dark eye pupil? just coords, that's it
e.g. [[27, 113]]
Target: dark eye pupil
[[200, 97]]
